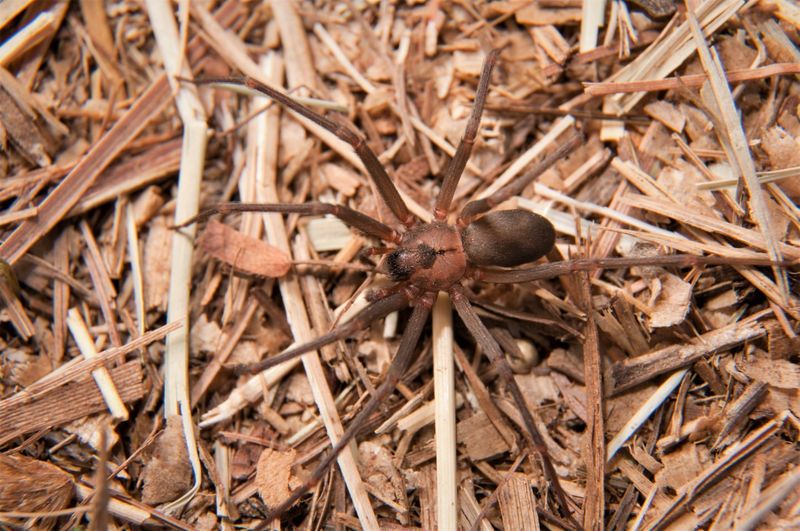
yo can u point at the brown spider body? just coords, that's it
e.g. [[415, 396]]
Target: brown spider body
[[434, 256], [430, 257]]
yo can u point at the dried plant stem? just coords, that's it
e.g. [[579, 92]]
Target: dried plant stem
[[444, 391], [101, 375], [592, 19], [529, 156], [192, 113], [666, 54], [594, 442], [644, 412], [135, 256]]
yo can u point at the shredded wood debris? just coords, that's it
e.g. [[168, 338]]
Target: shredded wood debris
[[667, 391]]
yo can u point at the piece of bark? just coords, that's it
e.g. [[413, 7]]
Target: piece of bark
[[634, 371], [480, 437]]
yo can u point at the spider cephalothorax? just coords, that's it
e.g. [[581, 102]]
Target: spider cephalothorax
[[430, 256]]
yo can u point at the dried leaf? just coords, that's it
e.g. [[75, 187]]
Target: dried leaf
[[168, 474], [243, 252]]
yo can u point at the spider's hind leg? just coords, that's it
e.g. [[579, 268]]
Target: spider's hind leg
[[489, 345]]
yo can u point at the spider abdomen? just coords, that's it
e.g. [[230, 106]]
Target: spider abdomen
[[508, 238]]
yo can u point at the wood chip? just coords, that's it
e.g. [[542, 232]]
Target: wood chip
[[481, 438], [274, 478], [20, 414]]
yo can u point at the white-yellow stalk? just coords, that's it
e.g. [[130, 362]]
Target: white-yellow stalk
[[445, 423]]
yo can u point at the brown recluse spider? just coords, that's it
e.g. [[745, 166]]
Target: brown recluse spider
[[426, 258]]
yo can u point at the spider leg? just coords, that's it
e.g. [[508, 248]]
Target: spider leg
[[376, 310], [487, 342], [405, 353], [456, 166], [554, 269], [355, 219], [475, 208], [376, 171]]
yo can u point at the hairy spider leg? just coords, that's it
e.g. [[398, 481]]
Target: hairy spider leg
[[401, 361], [377, 309], [353, 218], [489, 345], [475, 208], [456, 166], [376, 171]]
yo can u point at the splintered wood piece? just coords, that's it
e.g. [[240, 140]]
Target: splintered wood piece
[[153, 165], [691, 80], [738, 410], [426, 485], [480, 437], [518, 504], [61, 200], [23, 122], [243, 252], [21, 414], [594, 440], [633, 371], [711, 474], [16, 311]]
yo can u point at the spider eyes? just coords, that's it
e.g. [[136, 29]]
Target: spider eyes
[[508, 238], [403, 262]]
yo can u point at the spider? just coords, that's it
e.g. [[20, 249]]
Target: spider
[[426, 258]]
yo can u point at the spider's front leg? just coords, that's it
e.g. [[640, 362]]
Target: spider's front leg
[[459, 161], [376, 171], [366, 224]]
